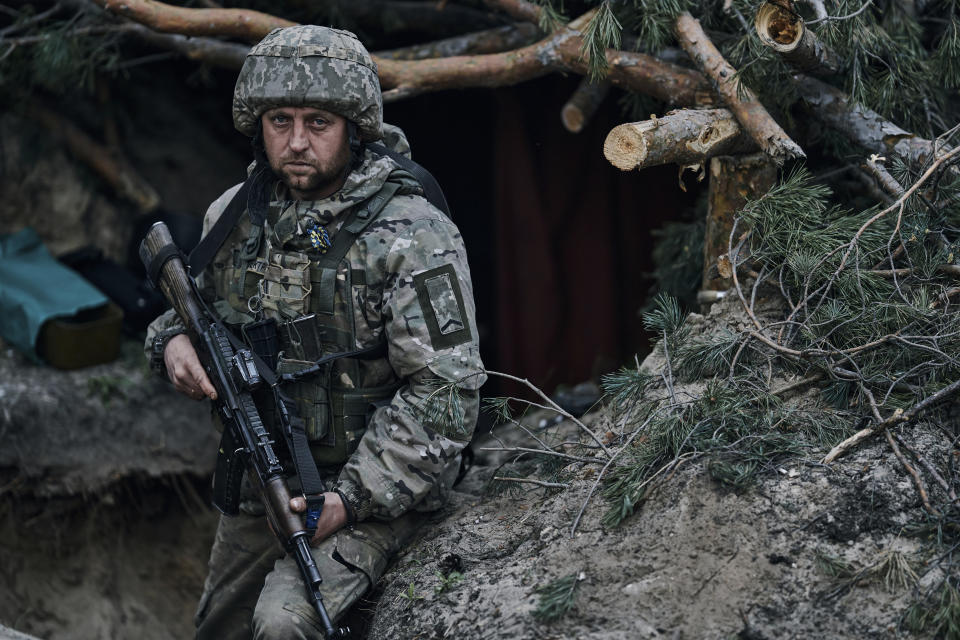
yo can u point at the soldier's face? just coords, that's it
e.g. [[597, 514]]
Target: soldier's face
[[308, 148]]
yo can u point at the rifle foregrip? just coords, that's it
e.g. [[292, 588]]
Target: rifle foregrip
[[164, 264], [278, 496]]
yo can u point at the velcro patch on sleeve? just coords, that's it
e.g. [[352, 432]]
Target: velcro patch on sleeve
[[441, 300]]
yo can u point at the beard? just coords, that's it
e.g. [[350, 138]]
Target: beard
[[308, 175]]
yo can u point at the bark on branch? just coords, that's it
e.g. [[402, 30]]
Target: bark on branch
[[488, 41], [404, 78], [226, 23], [584, 102], [863, 126], [558, 52], [785, 32], [681, 137], [752, 115], [517, 9]]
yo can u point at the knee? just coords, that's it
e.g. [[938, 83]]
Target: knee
[[279, 621]]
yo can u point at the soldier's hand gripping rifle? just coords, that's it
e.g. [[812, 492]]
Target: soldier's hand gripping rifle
[[233, 370]]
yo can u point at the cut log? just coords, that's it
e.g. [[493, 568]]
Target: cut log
[[863, 126], [751, 115], [681, 137], [733, 180], [785, 32], [584, 102]]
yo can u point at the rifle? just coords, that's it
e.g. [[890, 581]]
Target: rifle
[[235, 373]]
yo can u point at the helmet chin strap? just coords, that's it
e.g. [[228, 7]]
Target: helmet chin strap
[[356, 145], [261, 180]]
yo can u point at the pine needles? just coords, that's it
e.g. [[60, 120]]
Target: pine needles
[[557, 597]]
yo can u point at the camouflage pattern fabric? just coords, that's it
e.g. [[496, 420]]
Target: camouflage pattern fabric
[[309, 66], [404, 280], [253, 589]]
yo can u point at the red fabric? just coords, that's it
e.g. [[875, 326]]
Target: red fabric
[[573, 240]]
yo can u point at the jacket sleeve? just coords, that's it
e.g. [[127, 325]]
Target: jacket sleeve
[[409, 456]]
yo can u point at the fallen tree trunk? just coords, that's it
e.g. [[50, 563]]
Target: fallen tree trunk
[[785, 32], [752, 115], [584, 102], [681, 137], [863, 126]]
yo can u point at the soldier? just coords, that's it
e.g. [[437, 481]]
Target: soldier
[[338, 245]]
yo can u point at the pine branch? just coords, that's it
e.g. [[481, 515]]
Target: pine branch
[[753, 117]]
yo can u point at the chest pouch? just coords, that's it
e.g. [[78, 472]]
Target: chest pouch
[[322, 345], [285, 287]]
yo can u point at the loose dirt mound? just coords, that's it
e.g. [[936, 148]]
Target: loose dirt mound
[[105, 529], [698, 561]]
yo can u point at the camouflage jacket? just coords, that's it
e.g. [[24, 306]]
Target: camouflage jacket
[[407, 282]]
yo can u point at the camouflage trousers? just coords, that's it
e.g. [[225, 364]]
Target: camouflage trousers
[[254, 590]]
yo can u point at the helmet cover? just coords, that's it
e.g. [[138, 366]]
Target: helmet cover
[[309, 66]]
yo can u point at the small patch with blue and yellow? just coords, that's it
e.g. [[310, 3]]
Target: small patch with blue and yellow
[[319, 238]]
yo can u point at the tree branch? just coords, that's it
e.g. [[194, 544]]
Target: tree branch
[[226, 23], [494, 40], [864, 126], [584, 102], [517, 9], [558, 52], [752, 115]]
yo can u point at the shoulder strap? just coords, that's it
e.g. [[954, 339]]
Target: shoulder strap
[[357, 220], [431, 188], [208, 246]]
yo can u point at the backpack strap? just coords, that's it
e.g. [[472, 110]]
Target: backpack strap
[[359, 219], [431, 188], [208, 246]]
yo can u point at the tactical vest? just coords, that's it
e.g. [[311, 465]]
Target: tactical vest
[[311, 296]]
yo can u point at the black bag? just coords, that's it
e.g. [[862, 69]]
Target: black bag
[[132, 293]]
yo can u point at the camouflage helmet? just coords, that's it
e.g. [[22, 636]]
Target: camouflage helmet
[[309, 66]]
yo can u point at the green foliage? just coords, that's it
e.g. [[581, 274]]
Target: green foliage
[[557, 598], [442, 409], [833, 566], [938, 614], [602, 32], [447, 582], [678, 258], [410, 594], [107, 388], [551, 18], [738, 430], [61, 55]]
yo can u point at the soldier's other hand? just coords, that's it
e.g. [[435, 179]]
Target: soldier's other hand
[[332, 518], [185, 371]]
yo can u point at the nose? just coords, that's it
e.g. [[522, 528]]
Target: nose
[[298, 137]]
